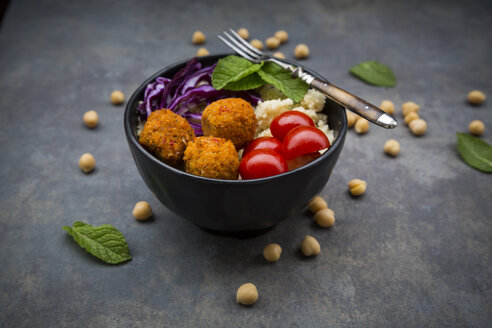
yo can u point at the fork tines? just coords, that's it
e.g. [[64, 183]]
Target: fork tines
[[239, 45]]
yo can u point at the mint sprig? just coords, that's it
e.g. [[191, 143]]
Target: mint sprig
[[293, 88], [231, 69], [104, 242], [374, 73], [475, 152], [236, 73]]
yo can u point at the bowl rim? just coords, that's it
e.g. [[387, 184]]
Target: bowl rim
[[131, 137]]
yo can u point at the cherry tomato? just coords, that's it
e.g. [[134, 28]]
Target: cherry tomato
[[261, 163], [304, 140], [302, 160], [282, 124], [264, 143]]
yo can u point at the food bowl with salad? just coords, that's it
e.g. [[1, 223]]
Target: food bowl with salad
[[232, 146]]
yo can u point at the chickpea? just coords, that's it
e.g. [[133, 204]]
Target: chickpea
[[243, 33], [476, 127], [117, 97], [361, 125], [91, 119], [87, 163], [202, 52], [476, 97], [310, 246], [198, 37], [325, 218], [272, 252], [272, 43], [418, 126], [278, 54], [392, 147], [257, 44], [351, 118], [410, 117], [357, 187], [301, 51], [282, 36], [247, 294], [408, 107], [142, 211], [387, 106], [317, 204]]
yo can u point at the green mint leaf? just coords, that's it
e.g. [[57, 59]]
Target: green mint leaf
[[475, 152], [374, 73], [104, 242], [232, 69], [293, 88], [249, 82]]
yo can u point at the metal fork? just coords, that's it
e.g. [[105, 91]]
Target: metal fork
[[342, 97]]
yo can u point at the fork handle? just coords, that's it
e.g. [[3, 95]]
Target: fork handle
[[355, 104]]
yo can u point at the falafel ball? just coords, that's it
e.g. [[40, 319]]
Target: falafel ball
[[212, 157], [230, 118], [166, 135]]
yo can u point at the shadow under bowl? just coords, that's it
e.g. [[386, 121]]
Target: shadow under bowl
[[237, 207]]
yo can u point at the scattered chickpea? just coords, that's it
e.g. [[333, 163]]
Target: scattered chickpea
[[476, 127], [243, 33], [408, 107], [310, 246], [387, 106], [278, 54], [418, 126], [91, 119], [198, 37], [117, 97], [476, 97], [317, 204], [392, 147], [282, 36], [357, 187], [142, 211], [301, 51], [247, 294], [87, 163], [325, 218], [257, 44], [272, 43], [351, 118], [202, 52], [361, 125], [272, 252], [410, 117]]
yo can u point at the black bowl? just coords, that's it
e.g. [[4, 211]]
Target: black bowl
[[232, 206]]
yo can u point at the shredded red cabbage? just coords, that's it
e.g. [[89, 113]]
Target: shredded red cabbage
[[187, 94]]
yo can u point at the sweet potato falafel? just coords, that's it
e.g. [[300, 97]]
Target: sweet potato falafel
[[230, 118], [212, 157], [166, 135]]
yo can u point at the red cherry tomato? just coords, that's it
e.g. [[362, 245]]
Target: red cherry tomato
[[304, 140], [302, 160], [264, 143], [282, 124], [261, 163]]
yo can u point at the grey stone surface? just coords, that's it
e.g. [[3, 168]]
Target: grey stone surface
[[415, 251]]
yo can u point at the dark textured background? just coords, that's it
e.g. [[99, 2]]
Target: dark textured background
[[415, 251]]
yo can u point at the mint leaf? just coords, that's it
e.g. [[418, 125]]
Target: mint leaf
[[374, 73], [475, 152], [249, 82], [232, 69], [104, 242], [293, 88]]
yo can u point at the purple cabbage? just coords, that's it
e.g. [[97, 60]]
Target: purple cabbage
[[187, 93]]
